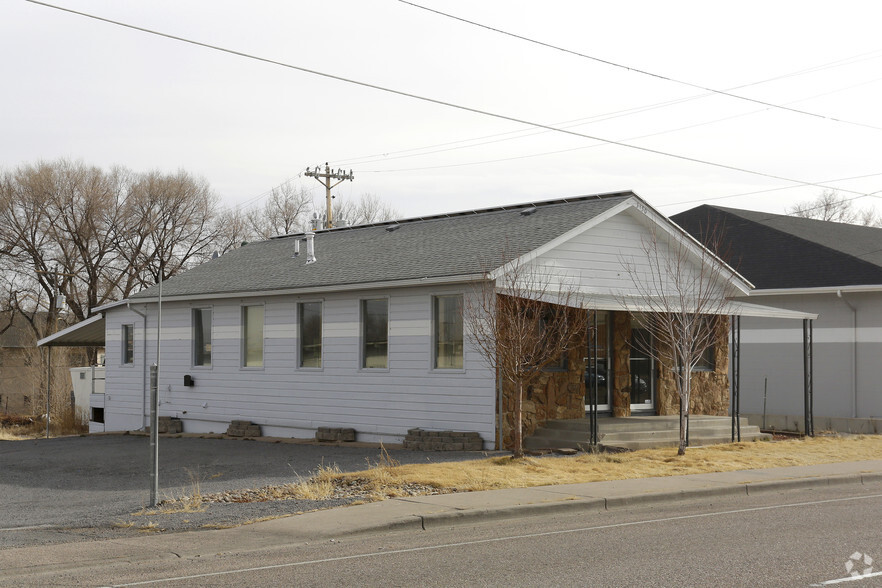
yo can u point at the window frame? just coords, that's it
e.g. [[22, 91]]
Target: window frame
[[435, 356], [195, 349], [127, 344], [321, 337], [363, 326], [243, 364]]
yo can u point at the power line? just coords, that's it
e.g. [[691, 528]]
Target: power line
[[637, 70], [432, 100]]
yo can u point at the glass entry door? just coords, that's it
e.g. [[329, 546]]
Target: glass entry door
[[642, 368], [598, 368]]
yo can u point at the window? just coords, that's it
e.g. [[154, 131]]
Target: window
[[708, 360], [447, 318], [559, 364], [202, 337], [375, 333], [311, 334], [252, 341], [128, 344]]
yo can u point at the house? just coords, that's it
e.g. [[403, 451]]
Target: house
[[828, 268], [22, 374], [362, 327]]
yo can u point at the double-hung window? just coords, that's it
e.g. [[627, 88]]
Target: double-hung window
[[202, 337], [252, 336], [375, 333], [310, 334], [447, 331]]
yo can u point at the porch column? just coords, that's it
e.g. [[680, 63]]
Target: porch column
[[621, 394], [736, 378], [807, 376]]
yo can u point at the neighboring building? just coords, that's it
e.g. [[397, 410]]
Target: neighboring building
[[832, 269], [22, 371], [368, 333]]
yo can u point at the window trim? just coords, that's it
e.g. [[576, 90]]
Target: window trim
[[433, 311], [299, 352], [125, 360], [244, 335], [193, 311], [362, 327]]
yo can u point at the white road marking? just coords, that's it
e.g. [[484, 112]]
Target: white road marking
[[507, 538], [848, 579], [27, 528]]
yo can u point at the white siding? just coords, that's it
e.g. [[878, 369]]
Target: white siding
[[596, 260], [286, 401]]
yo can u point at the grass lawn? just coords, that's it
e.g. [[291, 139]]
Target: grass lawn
[[388, 478]]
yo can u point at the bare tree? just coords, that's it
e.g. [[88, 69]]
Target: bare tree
[[680, 293], [830, 206], [285, 212], [369, 208], [521, 321]]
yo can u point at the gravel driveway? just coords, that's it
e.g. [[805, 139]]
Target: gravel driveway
[[75, 488]]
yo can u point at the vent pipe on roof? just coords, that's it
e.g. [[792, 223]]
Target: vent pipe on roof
[[310, 248], [296, 247]]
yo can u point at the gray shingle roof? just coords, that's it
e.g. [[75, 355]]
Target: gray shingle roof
[[778, 251], [434, 247]]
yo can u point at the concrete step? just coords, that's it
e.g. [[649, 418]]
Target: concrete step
[[639, 432]]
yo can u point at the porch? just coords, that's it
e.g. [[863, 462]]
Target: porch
[[638, 432]]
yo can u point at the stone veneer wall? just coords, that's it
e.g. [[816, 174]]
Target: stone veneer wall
[[561, 394], [710, 390], [553, 395]]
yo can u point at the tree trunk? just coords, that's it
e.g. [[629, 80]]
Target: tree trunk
[[519, 422], [684, 410]]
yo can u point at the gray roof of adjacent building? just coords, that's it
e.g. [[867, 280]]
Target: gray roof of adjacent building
[[435, 247], [777, 251]]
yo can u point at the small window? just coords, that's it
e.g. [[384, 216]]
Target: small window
[[97, 415], [311, 334], [252, 328], [447, 319], [202, 337], [708, 361], [375, 333], [128, 344]]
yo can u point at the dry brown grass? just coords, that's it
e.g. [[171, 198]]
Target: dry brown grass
[[504, 472], [63, 422]]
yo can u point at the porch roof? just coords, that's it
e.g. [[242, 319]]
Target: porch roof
[[87, 333], [636, 304]]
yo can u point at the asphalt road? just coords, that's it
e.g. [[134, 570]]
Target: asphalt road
[[76, 488], [793, 538]]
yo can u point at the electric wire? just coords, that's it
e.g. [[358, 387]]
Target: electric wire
[[435, 100], [637, 70]]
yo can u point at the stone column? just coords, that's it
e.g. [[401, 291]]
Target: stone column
[[621, 396]]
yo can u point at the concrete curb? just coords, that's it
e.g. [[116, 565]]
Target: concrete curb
[[466, 515]]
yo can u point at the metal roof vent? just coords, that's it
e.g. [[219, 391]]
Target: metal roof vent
[[297, 247], [391, 228], [529, 211], [310, 248]]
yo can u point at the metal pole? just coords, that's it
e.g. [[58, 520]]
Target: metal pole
[[736, 378], [807, 375], [154, 402], [48, 385], [765, 394], [154, 434]]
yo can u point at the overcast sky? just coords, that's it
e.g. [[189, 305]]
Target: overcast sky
[[78, 88]]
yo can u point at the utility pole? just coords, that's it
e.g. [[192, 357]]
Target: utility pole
[[325, 179]]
